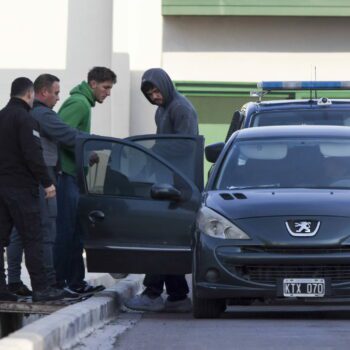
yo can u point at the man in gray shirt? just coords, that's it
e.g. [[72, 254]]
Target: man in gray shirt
[[53, 132]]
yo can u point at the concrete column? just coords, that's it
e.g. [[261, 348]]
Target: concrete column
[[137, 36], [120, 117]]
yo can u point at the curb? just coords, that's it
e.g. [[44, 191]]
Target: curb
[[64, 327]]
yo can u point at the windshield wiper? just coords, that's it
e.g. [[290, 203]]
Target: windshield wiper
[[248, 187]]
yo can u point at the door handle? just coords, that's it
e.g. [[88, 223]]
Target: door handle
[[96, 215]]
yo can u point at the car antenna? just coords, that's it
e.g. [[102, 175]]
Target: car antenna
[[310, 97], [315, 80]]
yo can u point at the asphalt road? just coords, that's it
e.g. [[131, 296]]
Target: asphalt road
[[241, 327]]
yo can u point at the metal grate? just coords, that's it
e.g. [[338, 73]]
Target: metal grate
[[296, 250], [269, 273]]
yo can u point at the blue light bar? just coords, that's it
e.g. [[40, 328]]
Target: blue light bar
[[304, 85]]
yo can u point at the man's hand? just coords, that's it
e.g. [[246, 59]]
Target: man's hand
[[93, 158], [50, 192]]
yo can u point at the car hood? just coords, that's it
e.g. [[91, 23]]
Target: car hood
[[264, 214], [257, 203]]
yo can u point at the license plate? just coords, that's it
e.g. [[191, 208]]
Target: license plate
[[304, 287]]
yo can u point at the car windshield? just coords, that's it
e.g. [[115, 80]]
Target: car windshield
[[298, 117], [286, 163]]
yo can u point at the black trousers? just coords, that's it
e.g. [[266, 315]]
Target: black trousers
[[20, 207], [176, 286]]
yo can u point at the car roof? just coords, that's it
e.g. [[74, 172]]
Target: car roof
[[295, 104], [294, 131], [304, 101]]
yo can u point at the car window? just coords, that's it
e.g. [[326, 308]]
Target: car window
[[180, 153], [286, 163], [298, 117], [123, 170]]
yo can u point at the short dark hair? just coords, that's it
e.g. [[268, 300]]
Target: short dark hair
[[44, 81], [101, 74], [20, 86], [147, 86]]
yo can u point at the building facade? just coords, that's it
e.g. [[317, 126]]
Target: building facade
[[215, 50]]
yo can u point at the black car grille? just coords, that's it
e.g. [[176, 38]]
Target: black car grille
[[268, 274], [296, 250]]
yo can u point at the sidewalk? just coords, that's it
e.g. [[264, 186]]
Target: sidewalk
[[66, 326]]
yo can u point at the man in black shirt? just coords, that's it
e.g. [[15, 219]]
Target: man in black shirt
[[22, 169]]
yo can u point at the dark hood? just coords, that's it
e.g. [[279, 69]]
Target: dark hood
[[159, 78]]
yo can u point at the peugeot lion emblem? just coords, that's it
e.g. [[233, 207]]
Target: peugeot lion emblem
[[303, 228]]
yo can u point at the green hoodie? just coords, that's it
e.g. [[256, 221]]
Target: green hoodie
[[76, 112]]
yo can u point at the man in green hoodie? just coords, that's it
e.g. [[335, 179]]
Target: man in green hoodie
[[76, 112]]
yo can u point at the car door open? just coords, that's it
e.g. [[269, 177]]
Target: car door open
[[137, 209]]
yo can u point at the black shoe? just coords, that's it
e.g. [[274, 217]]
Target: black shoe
[[5, 295], [69, 294], [87, 289], [47, 294], [60, 285], [19, 289]]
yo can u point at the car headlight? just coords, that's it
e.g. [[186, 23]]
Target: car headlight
[[215, 225]]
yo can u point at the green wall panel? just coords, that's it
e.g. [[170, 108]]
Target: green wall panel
[[212, 133], [256, 7]]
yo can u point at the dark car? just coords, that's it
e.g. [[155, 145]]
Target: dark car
[[273, 221], [318, 109]]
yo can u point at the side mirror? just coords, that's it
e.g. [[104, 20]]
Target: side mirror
[[166, 192], [213, 151]]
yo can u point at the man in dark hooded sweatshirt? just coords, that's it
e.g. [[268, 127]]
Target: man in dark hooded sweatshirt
[[174, 115]]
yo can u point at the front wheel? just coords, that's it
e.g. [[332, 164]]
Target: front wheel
[[207, 308]]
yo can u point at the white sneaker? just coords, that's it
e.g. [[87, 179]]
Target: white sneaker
[[143, 302], [184, 305]]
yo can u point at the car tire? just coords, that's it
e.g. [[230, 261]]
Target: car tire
[[207, 308]]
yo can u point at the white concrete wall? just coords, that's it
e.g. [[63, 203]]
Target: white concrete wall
[[252, 49], [137, 34], [65, 38], [68, 37]]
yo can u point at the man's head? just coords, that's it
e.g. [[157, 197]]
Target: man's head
[[101, 81], [153, 93], [47, 89], [157, 86], [23, 88]]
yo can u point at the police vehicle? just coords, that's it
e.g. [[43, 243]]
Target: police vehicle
[[319, 109]]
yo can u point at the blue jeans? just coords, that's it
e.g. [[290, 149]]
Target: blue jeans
[[48, 213], [68, 249]]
